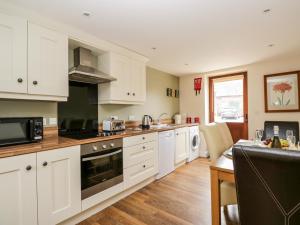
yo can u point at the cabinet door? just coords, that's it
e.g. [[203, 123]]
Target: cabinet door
[[18, 205], [13, 54], [138, 84], [120, 89], [47, 62], [58, 184], [181, 144]]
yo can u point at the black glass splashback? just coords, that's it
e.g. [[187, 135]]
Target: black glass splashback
[[79, 115]]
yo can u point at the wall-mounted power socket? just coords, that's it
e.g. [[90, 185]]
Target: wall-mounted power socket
[[44, 121], [52, 121], [131, 118]]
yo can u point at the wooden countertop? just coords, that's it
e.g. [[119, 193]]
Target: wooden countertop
[[54, 142]]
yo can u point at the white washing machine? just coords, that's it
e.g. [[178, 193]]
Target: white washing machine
[[194, 143]]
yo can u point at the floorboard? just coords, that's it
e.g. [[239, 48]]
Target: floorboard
[[181, 198]]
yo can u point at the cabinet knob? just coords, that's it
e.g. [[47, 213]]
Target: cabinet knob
[[20, 80], [177, 134], [144, 166], [29, 167], [35, 82], [128, 93], [144, 147], [133, 94], [45, 163], [143, 138]]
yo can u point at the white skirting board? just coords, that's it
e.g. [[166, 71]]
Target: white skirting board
[[92, 211]]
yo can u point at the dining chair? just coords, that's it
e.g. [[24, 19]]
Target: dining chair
[[216, 146], [226, 135], [267, 184]]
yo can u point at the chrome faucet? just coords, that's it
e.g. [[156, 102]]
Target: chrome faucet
[[159, 118]]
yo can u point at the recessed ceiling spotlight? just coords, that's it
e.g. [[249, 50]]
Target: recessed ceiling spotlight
[[153, 48], [271, 45], [87, 14], [267, 11]]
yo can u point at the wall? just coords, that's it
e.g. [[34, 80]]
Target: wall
[[18, 108], [156, 102], [198, 105]]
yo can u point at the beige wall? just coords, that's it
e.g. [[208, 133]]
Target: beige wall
[[193, 105], [156, 103], [10, 108]]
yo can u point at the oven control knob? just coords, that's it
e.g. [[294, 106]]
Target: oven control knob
[[104, 146], [112, 145], [95, 148]]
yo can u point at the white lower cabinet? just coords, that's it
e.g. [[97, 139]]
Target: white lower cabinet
[[182, 144], [18, 200], [58, 184], [140, 156]]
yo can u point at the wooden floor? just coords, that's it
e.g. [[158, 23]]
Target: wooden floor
[[183, 197]]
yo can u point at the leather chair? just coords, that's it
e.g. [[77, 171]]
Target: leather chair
[[283, 127], [216, 146], [268, 185]]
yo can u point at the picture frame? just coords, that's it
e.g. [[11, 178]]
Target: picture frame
[[281, 92]]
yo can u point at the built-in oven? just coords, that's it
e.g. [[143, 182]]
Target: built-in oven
[[101, 166], [19, 130]]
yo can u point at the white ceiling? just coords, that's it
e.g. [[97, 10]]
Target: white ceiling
[[205, 34]]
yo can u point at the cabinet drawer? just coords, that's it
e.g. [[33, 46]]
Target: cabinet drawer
[[139, 153], [136, 174], [139, 139]]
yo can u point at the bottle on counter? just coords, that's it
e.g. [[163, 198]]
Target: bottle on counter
[[276, 141]]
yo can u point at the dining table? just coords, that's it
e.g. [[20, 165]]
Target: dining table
[[222, 170]]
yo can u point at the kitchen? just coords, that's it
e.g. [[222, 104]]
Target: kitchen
[[75, 142], [130, 112]]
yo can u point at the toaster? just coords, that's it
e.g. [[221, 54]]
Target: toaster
[[113, 125]]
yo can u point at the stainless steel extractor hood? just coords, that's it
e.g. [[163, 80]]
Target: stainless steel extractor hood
[[83, 71]]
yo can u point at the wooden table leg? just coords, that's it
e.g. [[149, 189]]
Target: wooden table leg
[[215, 198]]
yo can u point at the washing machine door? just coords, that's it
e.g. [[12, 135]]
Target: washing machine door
[[195, 142]]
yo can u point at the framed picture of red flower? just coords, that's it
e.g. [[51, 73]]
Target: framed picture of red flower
[[282, 92]]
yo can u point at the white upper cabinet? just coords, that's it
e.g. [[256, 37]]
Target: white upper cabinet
[[13, 54], [130, 86], [58, 185], [47, 62], [18, 205]]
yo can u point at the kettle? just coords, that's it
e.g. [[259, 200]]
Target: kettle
[[146, 121]]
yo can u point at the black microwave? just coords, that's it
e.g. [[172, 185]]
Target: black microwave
[[20, 130]]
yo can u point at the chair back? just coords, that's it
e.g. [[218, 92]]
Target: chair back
[[283, 127], [226, 135], [213, 139], [268, 185]]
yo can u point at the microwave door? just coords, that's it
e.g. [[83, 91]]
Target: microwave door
[[14, 132]]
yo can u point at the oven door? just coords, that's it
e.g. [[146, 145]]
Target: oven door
[[15, 131], [100, 171]]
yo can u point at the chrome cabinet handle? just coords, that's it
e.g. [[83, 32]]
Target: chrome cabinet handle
[[20, 80], [35, 82], [29, 167]]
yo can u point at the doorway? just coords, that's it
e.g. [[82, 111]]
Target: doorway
[[228, 102]]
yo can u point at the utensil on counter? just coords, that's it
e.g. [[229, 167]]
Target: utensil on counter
[[146, 122]]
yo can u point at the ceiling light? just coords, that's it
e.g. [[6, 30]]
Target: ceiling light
[[87, 14], [267, 11]]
